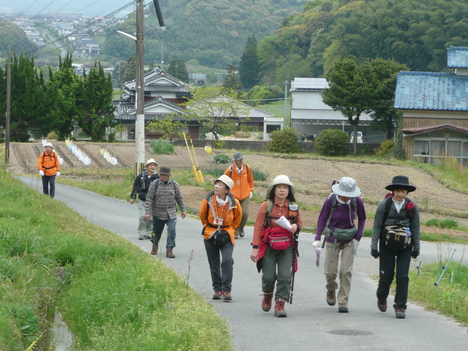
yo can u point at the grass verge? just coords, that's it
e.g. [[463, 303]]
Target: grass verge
[[112, 295]]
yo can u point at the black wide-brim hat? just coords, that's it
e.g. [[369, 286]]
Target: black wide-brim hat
[[400, 182]]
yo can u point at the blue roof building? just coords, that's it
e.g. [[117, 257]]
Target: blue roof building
[[435, 111]]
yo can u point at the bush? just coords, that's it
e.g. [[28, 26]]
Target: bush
[[445, 223], [284, 141], [221, 159], [162, 147], [386, 148], [332, 142]]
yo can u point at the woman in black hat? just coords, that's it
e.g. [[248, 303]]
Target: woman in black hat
[[396, 229]]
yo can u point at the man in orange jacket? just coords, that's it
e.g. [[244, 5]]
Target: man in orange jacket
[[242, 176], [49, 167]]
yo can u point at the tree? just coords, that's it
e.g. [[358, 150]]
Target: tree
[[128, 72], [249, 66], [95, 103], [169, 126], [215, 109], [178, 69], [231, 81]]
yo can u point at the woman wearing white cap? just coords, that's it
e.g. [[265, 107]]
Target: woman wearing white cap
[[336, 220], [220, 214]]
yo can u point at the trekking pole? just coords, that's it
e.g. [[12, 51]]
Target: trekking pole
[[291, 289], [445, 268], [418, 267]]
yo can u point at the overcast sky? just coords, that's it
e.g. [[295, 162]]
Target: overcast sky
[[87, 7]]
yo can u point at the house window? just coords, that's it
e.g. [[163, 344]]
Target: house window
[[434, 147]]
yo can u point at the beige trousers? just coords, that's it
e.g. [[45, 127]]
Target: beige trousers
[[345, 251]]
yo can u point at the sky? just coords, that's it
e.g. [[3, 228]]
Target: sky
[[86, 7]]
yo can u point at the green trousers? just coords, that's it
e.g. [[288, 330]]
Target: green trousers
[[276, 266]]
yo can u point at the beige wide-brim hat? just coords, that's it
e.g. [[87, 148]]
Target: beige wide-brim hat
[[346, 187], [150, 161], [226, 180], [281, 179]]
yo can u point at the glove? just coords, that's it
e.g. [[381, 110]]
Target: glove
[[250, 196], [415, 253], [41, 173], [316, 244], [57, 174], [375, 253], [356, 243]]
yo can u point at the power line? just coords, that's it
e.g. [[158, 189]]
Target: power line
[[50, 3]]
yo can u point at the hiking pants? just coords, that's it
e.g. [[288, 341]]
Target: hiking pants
[[388, 260], [245, 214], [221, 269], [346, 252], [46, 181], [276, 266], [144, 226], [158, 227]]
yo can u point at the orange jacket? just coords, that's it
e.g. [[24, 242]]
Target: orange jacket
[[243, 183], [49, 163], [231, 213]]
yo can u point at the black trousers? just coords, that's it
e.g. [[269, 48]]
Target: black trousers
[[221, 268], [46, 181], [389, 260]]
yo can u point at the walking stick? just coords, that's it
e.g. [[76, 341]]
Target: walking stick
[[293, 269], [445, 268]]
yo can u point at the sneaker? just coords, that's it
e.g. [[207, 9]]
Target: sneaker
[[147, 236], [343, 308], [154, 249], [279, 308], [218, 295], [400, 312], [382, 305], [331, 297], [227, 296], [141, 237], [242, 233], [266, 302]]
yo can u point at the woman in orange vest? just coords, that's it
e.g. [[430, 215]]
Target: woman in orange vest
[[49, 167]]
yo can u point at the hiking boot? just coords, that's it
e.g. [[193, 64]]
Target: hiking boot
[[169, 253], [147, 236], [141, 237], [279, 308], [218, 295], [382, 305], [400, 312], [266, 302], [154, 249], [227, 296], [331, 297], [343, 308], [241, 234]]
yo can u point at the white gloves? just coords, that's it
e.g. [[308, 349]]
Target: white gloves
[[250, 196], [41, 173], [316, 244], [58, 174]]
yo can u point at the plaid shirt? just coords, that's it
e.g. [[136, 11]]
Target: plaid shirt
[[161, 202]]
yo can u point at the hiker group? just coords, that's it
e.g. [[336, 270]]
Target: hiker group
[[224, 212]]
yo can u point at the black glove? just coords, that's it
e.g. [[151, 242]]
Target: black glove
[[415, 253], [375, 253]]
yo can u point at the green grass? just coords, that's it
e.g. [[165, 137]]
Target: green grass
[[112, 295]]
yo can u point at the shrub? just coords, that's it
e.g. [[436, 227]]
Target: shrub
[[259, 175], [386, 148], [332, 142], [221, 159], [284, 141], [449, 223], [162, 147]]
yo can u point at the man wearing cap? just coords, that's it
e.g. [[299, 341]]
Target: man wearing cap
[[161, 200], [220, 214], [243, 179], [140, 187], [336, 221], [395, 211], [49, 167]]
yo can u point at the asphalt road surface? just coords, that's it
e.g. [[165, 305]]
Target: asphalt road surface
[[311, 324]]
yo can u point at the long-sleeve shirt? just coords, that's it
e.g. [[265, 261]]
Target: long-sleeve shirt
[[343, 217], [49, 163], [394, 218], [161, 202], [243, 182], [142, 184], [277, 211]]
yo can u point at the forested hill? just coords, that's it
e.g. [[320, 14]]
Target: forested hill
[[214, 32], [412, 32]]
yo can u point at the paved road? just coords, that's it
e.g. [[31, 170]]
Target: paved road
[[311, 324]]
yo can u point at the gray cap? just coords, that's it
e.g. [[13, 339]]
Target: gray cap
[[238, 156], [165, 171]]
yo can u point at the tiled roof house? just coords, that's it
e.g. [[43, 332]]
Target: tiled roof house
[[435, 111]]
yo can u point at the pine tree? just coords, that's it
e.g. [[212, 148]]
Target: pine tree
[[249, 66], [231, 82], [178, 70]]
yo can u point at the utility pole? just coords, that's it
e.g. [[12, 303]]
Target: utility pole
[[285, 117], [8, 100], [139, 91]]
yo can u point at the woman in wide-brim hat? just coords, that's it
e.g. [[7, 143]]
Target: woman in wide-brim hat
[[396, 211], [274, 247]]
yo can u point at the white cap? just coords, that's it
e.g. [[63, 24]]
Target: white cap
[[346, 187], [48, 144]]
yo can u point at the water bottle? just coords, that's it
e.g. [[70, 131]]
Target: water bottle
[[408, 232]]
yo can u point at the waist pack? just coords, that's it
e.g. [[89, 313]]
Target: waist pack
[[396, 237], [344, 234], [221, 238], [277, 238]]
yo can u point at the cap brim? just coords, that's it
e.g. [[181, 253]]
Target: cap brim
[[407, 187], [336, 190]]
